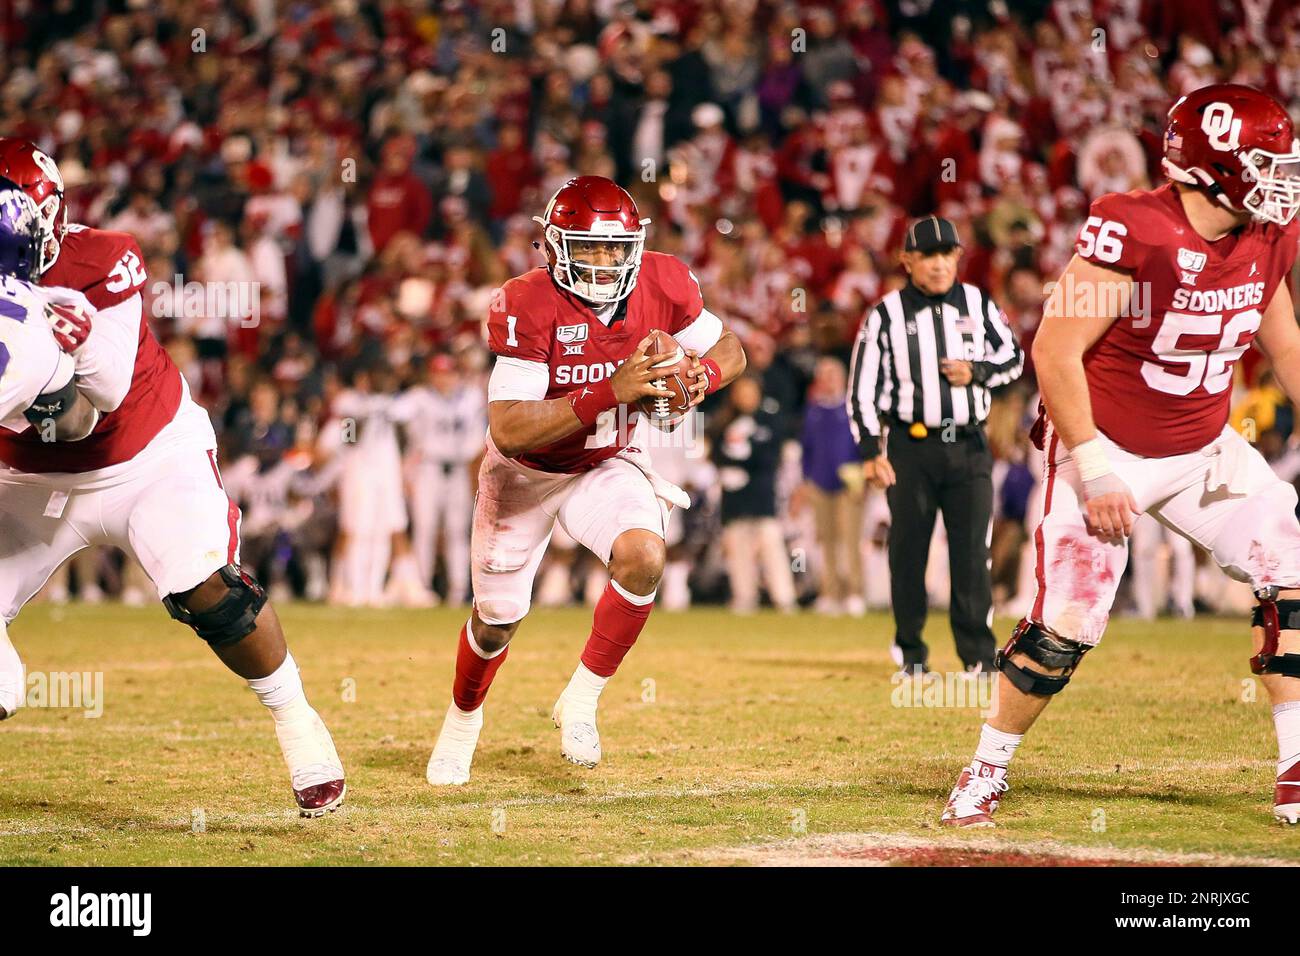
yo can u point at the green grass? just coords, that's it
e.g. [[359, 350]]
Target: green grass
[[755, 725]]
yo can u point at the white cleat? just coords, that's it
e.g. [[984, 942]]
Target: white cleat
[[579, 738], [977, 794], [454, 752], [447, 772]]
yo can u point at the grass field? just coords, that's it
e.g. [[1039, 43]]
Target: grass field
[[727, 740]]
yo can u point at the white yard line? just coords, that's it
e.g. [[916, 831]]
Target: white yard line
[[180, 818]]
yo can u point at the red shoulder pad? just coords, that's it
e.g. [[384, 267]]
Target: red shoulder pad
[[1123, 228], [520, 317], [668, 276], [107, 266]]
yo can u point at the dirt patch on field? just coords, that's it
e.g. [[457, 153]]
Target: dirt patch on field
[[892, 849]]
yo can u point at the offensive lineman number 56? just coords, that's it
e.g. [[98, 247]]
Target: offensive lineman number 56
[[1103, 239]]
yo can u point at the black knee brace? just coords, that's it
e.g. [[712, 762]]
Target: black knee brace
[[1274, 617], [229, 620], [1043, 648]]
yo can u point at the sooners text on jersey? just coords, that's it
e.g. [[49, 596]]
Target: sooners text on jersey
[[109, 269], [1160, 379], [539, 322]]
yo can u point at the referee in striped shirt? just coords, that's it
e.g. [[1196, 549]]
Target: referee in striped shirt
[[923, 364]]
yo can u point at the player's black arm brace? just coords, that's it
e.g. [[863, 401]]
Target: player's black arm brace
[[63, 414]]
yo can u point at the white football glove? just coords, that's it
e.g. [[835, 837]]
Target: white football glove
[[69, 314]]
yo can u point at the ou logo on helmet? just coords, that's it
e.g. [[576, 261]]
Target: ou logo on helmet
[[1216, 122]]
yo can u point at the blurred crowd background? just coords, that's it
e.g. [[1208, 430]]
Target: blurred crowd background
[[371, 169]]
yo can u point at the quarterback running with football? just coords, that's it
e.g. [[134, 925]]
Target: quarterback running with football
[[571, 341], [1135, 358], [145, 479]]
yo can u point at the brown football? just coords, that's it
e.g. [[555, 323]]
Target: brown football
[[675, 379]]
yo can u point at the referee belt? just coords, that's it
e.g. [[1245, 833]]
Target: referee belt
[[918, 431]]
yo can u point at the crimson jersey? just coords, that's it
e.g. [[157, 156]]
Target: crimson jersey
[[109, 269], [538, 322], [1160, 379]]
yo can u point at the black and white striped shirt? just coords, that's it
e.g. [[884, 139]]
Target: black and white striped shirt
[[895, 368]]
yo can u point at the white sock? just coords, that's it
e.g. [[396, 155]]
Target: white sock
[[1286, 720], [462, 724], [304, 740], [996, 747], [457, 740], [281, 690], [13, 681], [583, 690]]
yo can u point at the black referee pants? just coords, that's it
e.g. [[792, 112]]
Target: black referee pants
[[955, 477]]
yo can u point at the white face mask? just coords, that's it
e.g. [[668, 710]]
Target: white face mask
[[51, 228], [599, 266], [48, 250], [1276, 194]]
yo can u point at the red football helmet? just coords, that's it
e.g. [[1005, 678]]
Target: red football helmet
[[39, 178], [594, 239], [1240, 145]]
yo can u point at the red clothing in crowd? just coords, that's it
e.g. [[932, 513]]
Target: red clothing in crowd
[[398, 204], [509, 173]]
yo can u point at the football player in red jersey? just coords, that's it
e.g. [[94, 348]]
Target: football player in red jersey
[[1135, 357], [145, 480], [570, 341]]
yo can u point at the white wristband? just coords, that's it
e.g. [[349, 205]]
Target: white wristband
[[1090, 456]]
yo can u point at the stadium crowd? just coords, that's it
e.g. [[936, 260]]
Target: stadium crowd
[[366, 172]]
